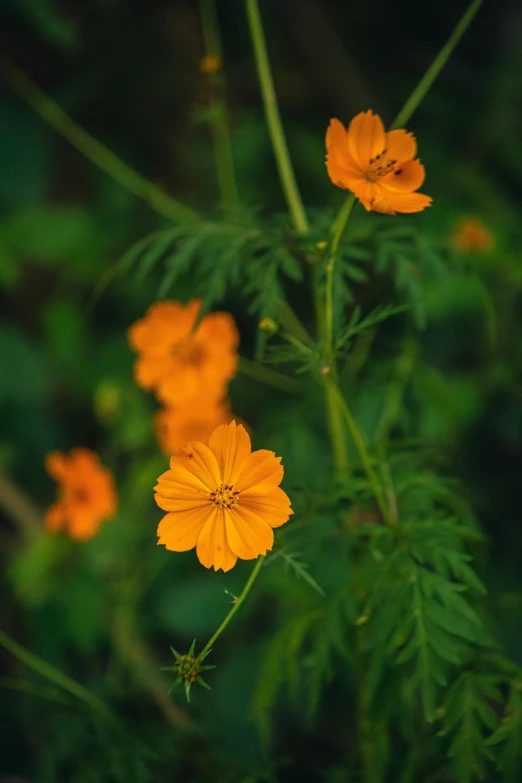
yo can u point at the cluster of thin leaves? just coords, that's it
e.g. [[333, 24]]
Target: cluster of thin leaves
[[255, 258], [413, 599]]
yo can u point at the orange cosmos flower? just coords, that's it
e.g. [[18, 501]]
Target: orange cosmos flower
[[195, 420], [378, 167], [471, 234], [181, 363], [222, 499], [86, 495]]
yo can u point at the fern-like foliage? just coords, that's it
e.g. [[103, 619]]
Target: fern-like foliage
[[302, 658], [219, 256], [506, 740], [417, 608], [469, 718]]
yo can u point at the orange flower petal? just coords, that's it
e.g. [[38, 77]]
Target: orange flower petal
[[200, 461], [83, 523], [57, 465], [400, 145], [182, 504], [212, 547], [408, 177], [179, 532], [407, 202], [248, 534], [196, 420], [180, 482], [365, 191], [339, 163], [366, 138], [231, 445], [259, 467], [268, 502], [55, 517]]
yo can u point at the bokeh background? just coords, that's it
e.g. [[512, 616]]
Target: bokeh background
[[107, 611]]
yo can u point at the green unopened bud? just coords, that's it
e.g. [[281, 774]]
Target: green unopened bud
[[268, 325], [188, 668], [107, 401], [320, 246]]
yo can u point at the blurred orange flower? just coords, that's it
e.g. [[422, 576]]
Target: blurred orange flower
[[470, 234], [211, 63], [86, 495], [378, 167], [179, 362], [222, 499], [195, 420]]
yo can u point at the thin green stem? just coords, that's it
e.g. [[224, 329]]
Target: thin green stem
[[273, 117], [337, 427], [336, 236], [395, 392], [268, 376], [437, 65], [53, 674], [219, 117], [237, 603], [360, 445], [97, 153]]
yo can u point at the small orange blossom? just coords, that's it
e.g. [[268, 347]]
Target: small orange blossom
[[86, 497], [180, 362], [195, 420], [222, 499], [210, 63], [378, 167], [471, 234]]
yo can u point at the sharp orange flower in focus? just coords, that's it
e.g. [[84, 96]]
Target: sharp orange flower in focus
[[222, 499], [195, 420], [471, 234], [86, 496], [179, 362], [378, 167]]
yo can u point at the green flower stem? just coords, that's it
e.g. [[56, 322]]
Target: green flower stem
[[53, 674], [337, 427], [275, 127], [335, 238], [97, 153], [268, 376], [220, 121], [237, 603], [437, 65], [395, 392], [364, 457]]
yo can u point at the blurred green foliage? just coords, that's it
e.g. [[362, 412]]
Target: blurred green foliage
[[448, 369]]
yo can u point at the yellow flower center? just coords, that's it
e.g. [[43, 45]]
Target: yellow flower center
[[380, 166], [224, 496]]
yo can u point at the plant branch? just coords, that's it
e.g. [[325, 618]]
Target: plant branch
[[97, 153], [436, 66], [54, 675], [364, 457], [269, 377], [337, 428], [219, 119], [273, 117], [20, 508], [237, 603], [336, 236]]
